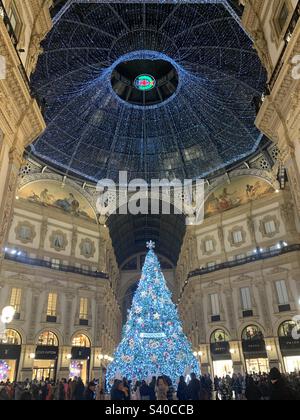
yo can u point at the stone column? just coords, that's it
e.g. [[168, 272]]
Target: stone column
[[73, 245], [261, 286], [8, 198]]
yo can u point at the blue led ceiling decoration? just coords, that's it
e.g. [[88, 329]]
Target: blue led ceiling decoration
[[207, 121]]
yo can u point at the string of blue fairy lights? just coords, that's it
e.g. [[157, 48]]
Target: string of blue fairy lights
[[207, 125]]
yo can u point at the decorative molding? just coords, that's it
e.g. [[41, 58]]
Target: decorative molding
[[203, 245], [58, 241], [231, 240], [87, 248], [262, 226], [31, 233]]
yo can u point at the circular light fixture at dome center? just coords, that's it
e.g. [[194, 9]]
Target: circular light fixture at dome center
[[146, 80]]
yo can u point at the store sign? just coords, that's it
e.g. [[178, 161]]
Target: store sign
[[153, 335], [46, 353], [81, 353], [9, 352], [220, 348], [254, 346], [290, 346]]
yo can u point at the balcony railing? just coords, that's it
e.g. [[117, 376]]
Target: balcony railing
[[259, 256], [58, 267]]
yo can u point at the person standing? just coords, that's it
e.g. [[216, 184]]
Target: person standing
[[161, 389], [194, 388], [152, 387], [252, 391], [145, 391], [79, 390], [182, 390], [117, 391], [279, 389], [90, 392]]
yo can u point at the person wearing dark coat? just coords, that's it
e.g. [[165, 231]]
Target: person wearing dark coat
[[144, 391], [89, 394], [79, 390], [252, 391], [116, 393], [182, 390], [194, 388], [152, 385], [279, 389]]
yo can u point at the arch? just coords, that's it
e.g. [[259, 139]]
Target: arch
[[12, 337], [242, 189], [252, 332], [219, 335], [81, 339], [244, 325], [33, 189], [287, 328], [48, 338]]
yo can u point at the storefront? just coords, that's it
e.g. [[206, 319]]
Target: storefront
[[10, 352], [46, 357], [289, 341], [254, 349], [80, 357], [220, 354]]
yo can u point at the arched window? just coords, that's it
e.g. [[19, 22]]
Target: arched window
[[48, 338], [287, 328], [219, 336], [81, 340], [251, 333], [11, 337]]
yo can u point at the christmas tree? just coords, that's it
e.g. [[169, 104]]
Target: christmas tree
[[153, 341]]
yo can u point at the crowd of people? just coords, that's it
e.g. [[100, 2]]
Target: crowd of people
[[63, 390], [273, 386]]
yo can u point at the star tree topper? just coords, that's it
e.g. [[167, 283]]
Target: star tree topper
[[150, 245]]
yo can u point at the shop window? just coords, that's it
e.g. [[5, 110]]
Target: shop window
[[15, 300], [81, 340], [48, 338], [219, 336], [11, 337], [252, 333], [289, 328]]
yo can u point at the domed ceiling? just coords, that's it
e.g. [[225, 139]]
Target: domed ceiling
[[160, 90]]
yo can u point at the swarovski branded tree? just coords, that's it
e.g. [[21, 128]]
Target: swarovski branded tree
[[153, 341]]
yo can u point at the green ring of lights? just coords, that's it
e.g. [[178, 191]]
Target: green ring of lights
[[144, 82]]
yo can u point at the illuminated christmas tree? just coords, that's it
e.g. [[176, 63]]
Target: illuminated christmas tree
[[153, 341]]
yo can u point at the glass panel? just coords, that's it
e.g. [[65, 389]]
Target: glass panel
[[219, 336], [81, 340], [48, 338]]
